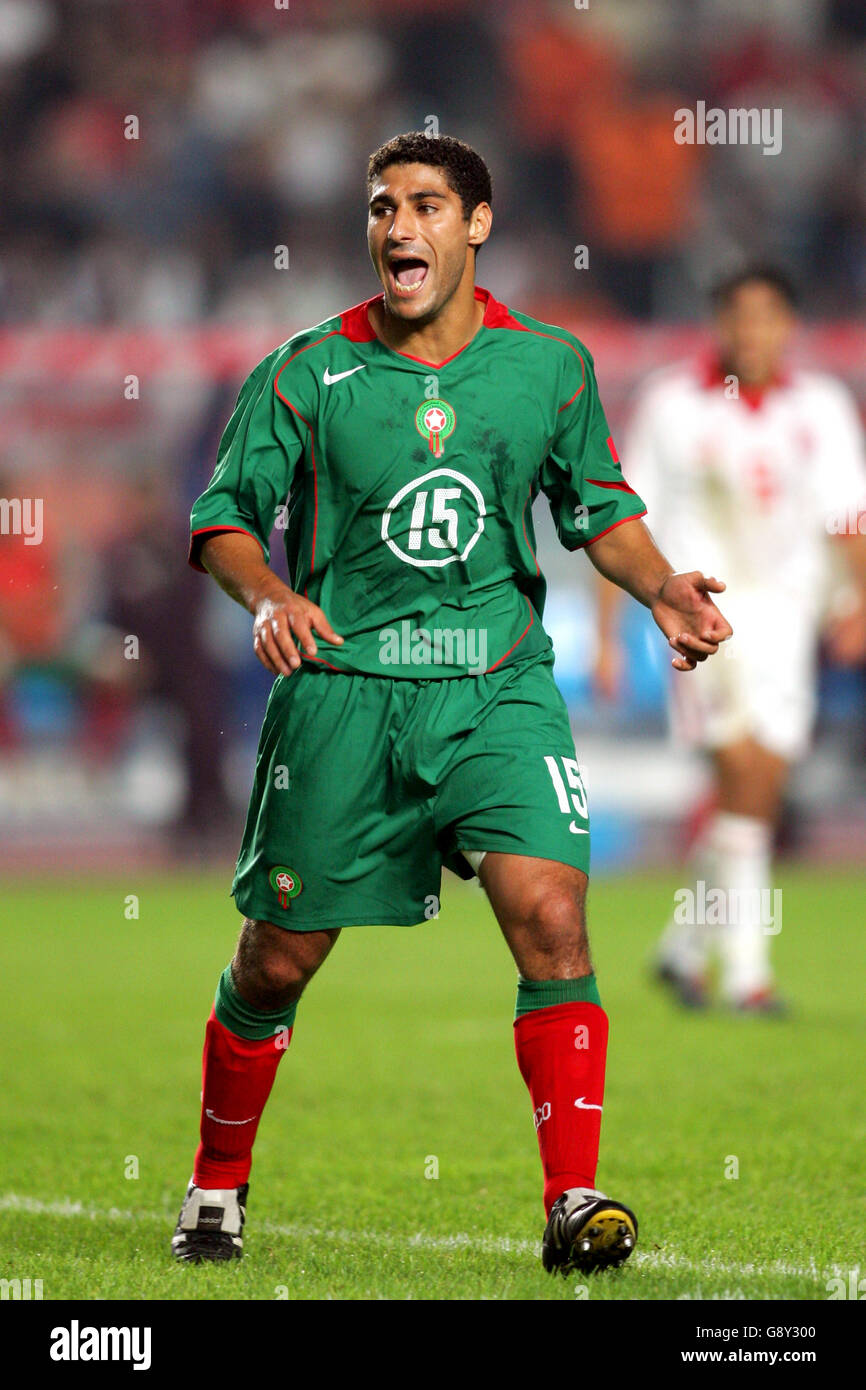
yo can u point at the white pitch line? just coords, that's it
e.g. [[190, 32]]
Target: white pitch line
[[493, 1245]]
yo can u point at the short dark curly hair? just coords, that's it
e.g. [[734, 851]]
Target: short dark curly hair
[[463, 167]]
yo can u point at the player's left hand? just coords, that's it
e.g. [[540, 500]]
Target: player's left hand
[[689, 619]]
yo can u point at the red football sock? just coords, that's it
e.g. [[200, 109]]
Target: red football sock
[[237, 1076], [561, 1052]]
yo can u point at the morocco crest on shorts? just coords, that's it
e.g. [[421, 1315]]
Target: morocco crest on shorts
[[285, 883], [435, 420]]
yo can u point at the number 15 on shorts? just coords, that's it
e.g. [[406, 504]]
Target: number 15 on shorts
[[571, 798]]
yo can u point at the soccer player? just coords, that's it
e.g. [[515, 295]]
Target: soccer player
[[759, 469], [414, 720]]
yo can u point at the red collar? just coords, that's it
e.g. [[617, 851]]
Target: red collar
[[356, 326]]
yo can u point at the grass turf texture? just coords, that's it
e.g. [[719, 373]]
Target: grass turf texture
[[402, 1052]]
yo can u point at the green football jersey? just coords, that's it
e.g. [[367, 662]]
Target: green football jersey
[[404, 488]]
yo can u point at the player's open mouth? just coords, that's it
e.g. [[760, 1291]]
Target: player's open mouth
[[407, 274]]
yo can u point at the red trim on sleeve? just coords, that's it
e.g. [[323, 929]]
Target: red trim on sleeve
[[515, 644], [610, 444], [618, 487], [213, 531], [637, 516]]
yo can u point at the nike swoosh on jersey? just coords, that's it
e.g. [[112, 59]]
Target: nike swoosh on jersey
[[338, 376], [577, 829], [582, 1104]]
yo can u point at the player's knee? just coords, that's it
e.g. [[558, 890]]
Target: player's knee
[[272, 966], [276, 981], [558, 921]]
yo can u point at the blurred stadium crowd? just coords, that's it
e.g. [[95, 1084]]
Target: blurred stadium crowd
[[154, 256], [255, 123]]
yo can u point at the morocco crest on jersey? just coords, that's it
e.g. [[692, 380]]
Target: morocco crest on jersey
[[285, 883], [435, 420]]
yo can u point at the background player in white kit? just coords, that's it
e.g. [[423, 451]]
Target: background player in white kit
[[757, 469]]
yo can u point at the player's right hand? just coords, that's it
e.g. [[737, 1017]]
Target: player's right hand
[[689, 619], [283, 627]]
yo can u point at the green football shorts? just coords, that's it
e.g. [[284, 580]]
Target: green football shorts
[[365, 786]]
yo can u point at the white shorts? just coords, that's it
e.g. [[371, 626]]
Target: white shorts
[[760, 684]]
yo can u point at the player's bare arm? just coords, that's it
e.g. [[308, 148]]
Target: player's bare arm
[[680, 603], [283, 620]]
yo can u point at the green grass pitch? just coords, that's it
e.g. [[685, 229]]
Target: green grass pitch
[[402, 1055]]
